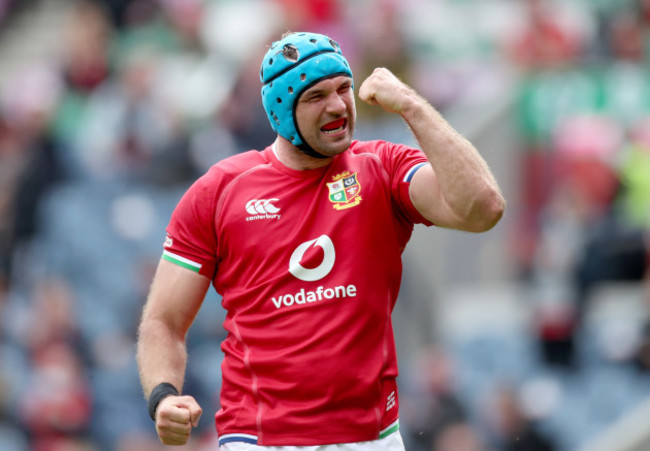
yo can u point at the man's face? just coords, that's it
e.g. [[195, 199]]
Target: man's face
[[325, 115]]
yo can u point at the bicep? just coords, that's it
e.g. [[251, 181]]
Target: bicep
[[175, 297], [427, 198]]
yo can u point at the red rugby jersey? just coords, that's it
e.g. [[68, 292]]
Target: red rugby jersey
[[308, 264]]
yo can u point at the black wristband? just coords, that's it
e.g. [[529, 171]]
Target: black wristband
[[160, 392]]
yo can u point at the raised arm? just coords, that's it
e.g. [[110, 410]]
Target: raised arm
[[174, 300], [457, 190]]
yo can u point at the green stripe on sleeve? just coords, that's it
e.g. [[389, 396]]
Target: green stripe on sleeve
[[180, 261]]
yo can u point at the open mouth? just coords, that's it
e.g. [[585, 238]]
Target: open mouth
[[334, 127]]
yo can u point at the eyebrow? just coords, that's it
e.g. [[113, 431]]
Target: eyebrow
[[316, 91]]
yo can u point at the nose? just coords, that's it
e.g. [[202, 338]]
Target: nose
[[335, 103]]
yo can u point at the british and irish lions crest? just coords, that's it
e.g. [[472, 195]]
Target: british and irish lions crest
[[344, 190]]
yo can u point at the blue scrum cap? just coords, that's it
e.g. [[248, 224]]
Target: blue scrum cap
[[292, 65]]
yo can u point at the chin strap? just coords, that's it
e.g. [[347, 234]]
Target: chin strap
[[308, 150]]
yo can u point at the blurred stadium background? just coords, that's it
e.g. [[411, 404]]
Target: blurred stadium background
[[533, 336]]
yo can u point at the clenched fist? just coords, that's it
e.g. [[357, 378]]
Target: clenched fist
[[383, 88], [175, 418]]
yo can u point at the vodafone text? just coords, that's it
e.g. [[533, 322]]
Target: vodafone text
[[319, 294]]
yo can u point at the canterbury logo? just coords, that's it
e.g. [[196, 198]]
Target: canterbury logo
[[325, 265], [261, 206], [262, 209]]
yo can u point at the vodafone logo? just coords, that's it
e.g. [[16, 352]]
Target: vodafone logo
[[262, 209], [311, 261], [323, 244]]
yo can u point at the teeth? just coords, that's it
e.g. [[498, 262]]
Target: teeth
[[336, 130]]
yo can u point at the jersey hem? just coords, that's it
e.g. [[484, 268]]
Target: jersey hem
[[252, 439], [229, 438], [391, 428]]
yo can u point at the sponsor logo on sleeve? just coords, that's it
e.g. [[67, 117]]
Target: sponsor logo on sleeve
[[391, 401]]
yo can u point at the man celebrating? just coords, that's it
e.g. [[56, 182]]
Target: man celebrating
[[303, 240]]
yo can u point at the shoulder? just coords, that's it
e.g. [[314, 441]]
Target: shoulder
[[229, 168], [396, 159], [387, 153], [377, 147], [368, 147], [213, 183], [239, 163]]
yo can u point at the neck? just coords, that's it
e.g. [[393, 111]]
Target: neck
[[294, 158]]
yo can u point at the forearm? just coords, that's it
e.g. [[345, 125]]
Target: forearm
[[465, 181], [174, 300], [161, 356]]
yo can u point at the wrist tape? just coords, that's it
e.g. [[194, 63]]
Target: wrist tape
[[160, 392]]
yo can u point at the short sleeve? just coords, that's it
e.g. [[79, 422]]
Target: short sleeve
[[403, 162], [191, 239]]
